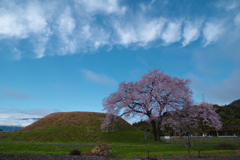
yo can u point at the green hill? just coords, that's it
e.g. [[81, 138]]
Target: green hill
[[235, 103], [230, 115], [74, 127]]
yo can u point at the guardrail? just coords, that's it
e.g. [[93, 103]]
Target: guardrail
[[169, 137]]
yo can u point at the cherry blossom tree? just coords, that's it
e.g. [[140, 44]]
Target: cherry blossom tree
[[194, 118], [150, 97]]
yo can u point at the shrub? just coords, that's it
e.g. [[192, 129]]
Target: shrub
[[101, 150], [75, 152]]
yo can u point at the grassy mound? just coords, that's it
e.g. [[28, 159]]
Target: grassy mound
[[74, 127]]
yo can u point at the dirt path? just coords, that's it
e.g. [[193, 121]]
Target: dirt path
[[84, 157]]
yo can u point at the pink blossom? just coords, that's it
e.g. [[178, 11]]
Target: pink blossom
[[193, 118], [150, 97]]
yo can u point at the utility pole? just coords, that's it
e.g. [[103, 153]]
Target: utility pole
[[203, 97]]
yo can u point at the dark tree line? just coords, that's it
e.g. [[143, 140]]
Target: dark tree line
[[230, 114]]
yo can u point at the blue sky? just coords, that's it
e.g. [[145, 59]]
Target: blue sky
[[59, 56]]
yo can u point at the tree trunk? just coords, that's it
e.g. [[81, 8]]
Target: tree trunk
[[154, 130], [158, 131]]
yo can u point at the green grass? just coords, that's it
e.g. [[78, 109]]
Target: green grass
[[74, 127], [41, 149], [71, 128], [117, 137], [205, 140], [125, 152]]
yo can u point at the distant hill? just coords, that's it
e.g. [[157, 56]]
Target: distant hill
[[235, 103], [10, 128], [230, 114], [17, 127], [79, 127]]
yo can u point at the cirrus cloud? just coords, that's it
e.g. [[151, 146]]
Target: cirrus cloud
[[172, 33], [12, 93], [80, 26], [212, 32], [191, 32], [104, 6], [98, 78]]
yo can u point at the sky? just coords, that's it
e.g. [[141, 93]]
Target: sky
[[63, 56]]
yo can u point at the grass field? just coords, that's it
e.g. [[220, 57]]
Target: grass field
[[64, 131], [124, 151], [205, 140], [73, 127]]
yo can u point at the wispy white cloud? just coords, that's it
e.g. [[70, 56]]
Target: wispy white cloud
[[66, 25], [21, 21], [79, 36], [82, 26], [103, 6], [151, 30], [237, 20], [93, 37], [35, 18], [98, 78], [66, 22], [40, 112], [17, 119], [127, 35], [17, 54], [39, 43], [227, 4], [11, 28], [172, 33], [148, 6], [12, 93], [212, 32], [191, 32], [142, 32]]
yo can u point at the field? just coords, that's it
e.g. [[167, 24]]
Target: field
[[124, 151], [58, 134]]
